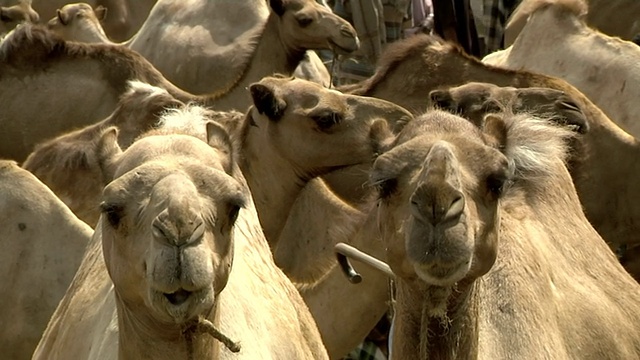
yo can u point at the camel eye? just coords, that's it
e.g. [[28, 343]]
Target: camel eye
[[4, 18], [304, 21], [114, 213], [233, 214], [326, 121], [386, 188], [496, 184]]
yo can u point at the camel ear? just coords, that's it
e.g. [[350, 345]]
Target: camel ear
[[267, 102], [494, 130], [219, 139], [441, 99], [277, 6], [63, 17], [107, 152], [101, 12]]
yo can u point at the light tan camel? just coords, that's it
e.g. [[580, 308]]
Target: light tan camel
[[202, 62], [19, 11], [411, 69], [80, 22], [614, 18], [97, 75], [241, 37], [493, 256], [68, 164], [602, 67], [38, 234], [186, 261]]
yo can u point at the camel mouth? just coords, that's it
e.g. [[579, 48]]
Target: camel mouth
[[442, 275], [343, 50], [179, 297]]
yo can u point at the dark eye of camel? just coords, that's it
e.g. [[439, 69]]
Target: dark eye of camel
[[114, 213], [304, 21], [4, 18], [496, 184], [327, 120], [386, 188]]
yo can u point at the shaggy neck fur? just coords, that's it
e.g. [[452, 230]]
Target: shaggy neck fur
[[142, 337]]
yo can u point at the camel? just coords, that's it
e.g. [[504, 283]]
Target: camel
[[614, 18], [485, 266], [323, 120], [80, 22], [68, 163], [410, 69], [124, 19], [474, 101], [247, 51], [38, 234], [224, 298], [245, 40], [29, 50], [11, 16], [606, 73]]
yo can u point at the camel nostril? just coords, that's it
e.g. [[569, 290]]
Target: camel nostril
[[178, 297], [455, 209]]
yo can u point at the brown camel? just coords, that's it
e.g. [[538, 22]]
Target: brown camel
[[411, 69], [475, 100], [38, 234], [191, 266], [486, 266]]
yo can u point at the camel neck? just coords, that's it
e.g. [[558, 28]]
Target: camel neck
[[142, 337], [450, 333], [271, 56], [274, 182]]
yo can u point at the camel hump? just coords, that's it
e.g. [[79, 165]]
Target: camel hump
[[578, 8]]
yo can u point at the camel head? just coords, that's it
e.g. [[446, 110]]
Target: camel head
[[307, 25], [11, 16], [79, 22], [318, 129], [167, 222], [474, 100], [439, 188]]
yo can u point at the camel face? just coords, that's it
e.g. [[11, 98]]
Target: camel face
[[315, 128], [166, 224], [305, 24], [439, 188], [474, 100], [79, 22], [11, 16]]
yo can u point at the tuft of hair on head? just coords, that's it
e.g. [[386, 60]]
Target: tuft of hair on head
[[534, 145]]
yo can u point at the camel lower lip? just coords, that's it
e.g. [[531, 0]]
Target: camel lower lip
[[178, 297], [339, 49]]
